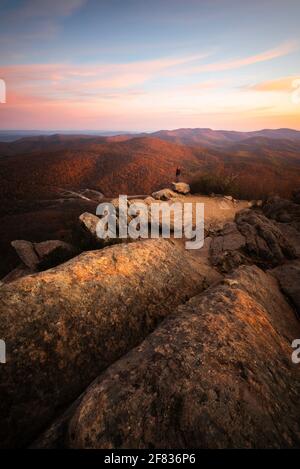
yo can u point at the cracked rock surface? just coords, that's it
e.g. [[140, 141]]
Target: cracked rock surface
[[215, 374], [64, 326]]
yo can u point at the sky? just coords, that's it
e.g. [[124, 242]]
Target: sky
[[142, 65]]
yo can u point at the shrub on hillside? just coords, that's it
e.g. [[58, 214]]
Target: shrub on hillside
[[217, 183]]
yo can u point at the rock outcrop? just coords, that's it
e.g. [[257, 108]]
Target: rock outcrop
[[283, 210], [63, 326], [251, 239], [264, 241], [181, 187], [216, 374]]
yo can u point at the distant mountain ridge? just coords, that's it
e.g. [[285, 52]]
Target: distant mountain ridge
[[221, 138], [203, 137]]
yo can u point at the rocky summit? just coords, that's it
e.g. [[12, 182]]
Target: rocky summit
[[145, 344]]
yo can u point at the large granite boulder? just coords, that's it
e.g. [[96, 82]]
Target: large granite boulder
[[216, 374], [62, 327]]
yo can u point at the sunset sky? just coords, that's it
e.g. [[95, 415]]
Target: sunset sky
[[149, 65]]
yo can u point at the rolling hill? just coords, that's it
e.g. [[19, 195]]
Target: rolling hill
[[40, 177]]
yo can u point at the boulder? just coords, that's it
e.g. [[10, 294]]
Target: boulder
[[40, 256], [225, 248], [265, 243], [64, 326], [282, 210], [253, 238], [181, 187], [88, 233], [54, 252], [216, 374], [88, 224], [288, 276], [26, 253], [291, 234], [164, 194]]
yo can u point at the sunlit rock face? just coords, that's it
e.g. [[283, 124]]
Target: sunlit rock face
[[62, 327], [217, 374]]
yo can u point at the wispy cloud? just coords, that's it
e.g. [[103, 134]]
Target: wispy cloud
[[47, 78], [283, 84], [279, 51]]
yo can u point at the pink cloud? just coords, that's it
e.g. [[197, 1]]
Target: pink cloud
[[279, 51]]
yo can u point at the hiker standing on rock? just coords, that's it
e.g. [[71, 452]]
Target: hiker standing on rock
[[178, 172]]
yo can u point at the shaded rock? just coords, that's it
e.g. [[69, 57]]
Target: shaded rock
[[88, 224], [64, 326], [216, 374], [288, 276], [296, 196], [224, 248], [291, 234], [88, 233], [265, 243], [253, 238], [54, 252], [40, 256], [26, 253], [282, 210], [181, 187], [164, 194]]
